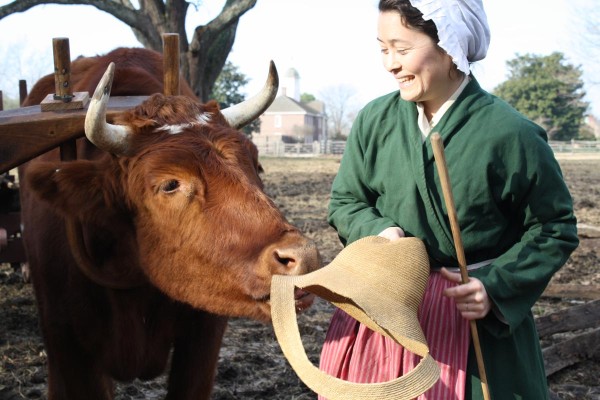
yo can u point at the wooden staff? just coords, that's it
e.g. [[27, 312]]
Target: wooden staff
[[440, 162]]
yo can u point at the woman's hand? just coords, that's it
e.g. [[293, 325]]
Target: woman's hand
[[392, 233], [471, 298]]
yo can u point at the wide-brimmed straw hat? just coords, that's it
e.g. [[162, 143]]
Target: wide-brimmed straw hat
[[381, 284]]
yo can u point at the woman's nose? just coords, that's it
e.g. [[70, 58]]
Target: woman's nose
[[391, 61]]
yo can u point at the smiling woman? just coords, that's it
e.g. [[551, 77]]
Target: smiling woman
[[516, 212]]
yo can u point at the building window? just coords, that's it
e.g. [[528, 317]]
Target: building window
[[278, 121]]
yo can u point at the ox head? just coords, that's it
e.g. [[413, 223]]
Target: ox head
[[178, 202]]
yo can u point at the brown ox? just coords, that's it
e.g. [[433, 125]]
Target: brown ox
[[149, 246]]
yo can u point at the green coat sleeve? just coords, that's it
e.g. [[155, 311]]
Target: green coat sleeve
[[530, 187], [352, 209]]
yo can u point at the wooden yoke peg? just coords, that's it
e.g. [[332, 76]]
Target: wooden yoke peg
[[22, 91], [171, 64], [63, 98]]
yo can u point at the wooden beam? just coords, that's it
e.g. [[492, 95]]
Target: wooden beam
[[569, 352], [78, 101], [570, 319], [575, 391], [27, 132]]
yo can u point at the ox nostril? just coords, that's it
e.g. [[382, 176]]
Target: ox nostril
[[294, 259], [285, 259]]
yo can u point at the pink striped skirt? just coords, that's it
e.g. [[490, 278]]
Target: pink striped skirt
[[355, 353]]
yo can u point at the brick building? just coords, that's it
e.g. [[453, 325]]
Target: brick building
[[289, 120]]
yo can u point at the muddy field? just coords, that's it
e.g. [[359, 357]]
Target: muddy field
[[251, 364]]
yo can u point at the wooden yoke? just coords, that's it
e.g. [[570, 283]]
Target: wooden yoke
[[28, 132]]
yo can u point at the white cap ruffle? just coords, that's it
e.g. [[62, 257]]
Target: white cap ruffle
[[462, 28]]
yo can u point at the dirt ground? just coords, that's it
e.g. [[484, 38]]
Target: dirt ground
[[251, 363]]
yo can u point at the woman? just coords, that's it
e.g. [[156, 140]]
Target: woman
[[514, 209]]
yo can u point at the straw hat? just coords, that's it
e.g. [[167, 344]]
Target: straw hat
[[381, 284]]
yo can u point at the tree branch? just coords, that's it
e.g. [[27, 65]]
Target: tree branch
[[210, 40], [175, 13], [123, 10], [19, 6], [232, 11]]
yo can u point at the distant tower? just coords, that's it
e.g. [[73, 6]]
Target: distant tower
[[290, 84]]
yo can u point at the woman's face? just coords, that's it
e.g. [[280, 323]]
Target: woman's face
[[420, 68]]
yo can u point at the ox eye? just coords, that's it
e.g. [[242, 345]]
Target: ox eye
[[169, 186]]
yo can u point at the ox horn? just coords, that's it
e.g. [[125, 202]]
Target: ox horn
[[241, 114], [111, 138]]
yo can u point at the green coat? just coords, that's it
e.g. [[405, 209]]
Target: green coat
[[511, 201]]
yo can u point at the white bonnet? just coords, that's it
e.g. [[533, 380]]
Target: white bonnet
[[462, 28]]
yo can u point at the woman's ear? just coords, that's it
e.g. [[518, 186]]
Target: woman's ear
[[454, 73]]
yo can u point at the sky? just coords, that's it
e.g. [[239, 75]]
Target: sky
[[329, 42]]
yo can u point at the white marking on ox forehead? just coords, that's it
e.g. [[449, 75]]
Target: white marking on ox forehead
[[201, 119]]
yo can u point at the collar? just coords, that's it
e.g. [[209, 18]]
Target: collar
[[426, 126]]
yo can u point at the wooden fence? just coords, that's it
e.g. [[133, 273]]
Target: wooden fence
[[576, 146], [281, 149], [336, 147]]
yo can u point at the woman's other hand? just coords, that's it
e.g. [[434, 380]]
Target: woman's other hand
[[392, 233], [471, 298]]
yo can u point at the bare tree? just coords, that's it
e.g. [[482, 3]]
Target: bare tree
[[585, 17], [339, 108], [202, 57], [13, 68]]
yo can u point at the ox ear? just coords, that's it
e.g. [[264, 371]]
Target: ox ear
[[72, 188], [253, 150]]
